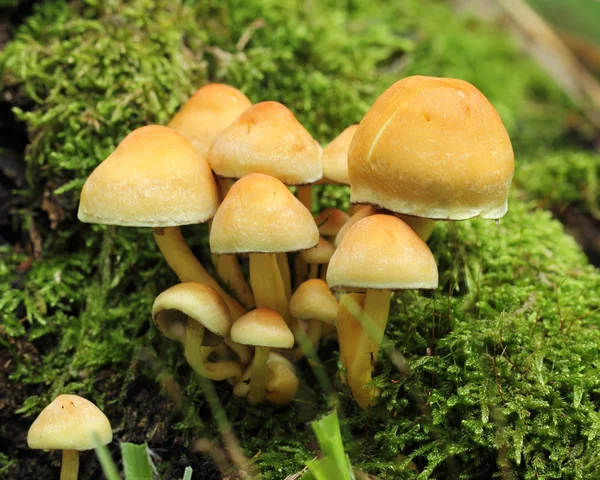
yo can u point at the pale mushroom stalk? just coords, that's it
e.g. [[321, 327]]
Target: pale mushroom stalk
[[184, 263], [228, 268], [258, 375], [373, 322], [423, 226], [196, 356], [268, 286], [284, 270], [304, 194], [70, 465]]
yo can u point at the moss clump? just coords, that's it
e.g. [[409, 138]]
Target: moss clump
[[503, 363]]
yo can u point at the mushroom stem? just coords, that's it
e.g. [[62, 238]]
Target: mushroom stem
[[348, 327], [70, 465], [268, 287], [258, 375], [187, 267], [196, 357], [300, 271], [304, 194], [422, 226], [313, 270], [373, 322], [224, 185], [286, 276], [228, 268]]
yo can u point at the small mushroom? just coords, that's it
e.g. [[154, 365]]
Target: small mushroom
[[317, 256], [183, 313], [69, 424], [264, 329], [314, 302], [282, 382]]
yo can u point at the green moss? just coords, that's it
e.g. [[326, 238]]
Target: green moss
[[503, 356]]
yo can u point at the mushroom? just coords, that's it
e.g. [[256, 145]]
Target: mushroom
[[267, 138], [317, 256], [156, 178], [183, 313], [208, 112], [69, 424], [313, 302], [441, 153], [330, 221], [261, 217], [264, 329], [282, 382], [379, 254]]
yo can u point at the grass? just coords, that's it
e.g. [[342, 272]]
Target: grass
[[503, 357]]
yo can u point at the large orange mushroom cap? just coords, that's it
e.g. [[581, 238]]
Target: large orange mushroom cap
[[434, 148]]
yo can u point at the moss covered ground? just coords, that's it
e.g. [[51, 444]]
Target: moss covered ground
[[501, 375]]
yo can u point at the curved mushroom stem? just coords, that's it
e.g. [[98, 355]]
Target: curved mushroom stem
[[373, 322], [286, 276], [187, 267], [304, 194], [70, 465], [242, 351], [228, 268], [423, 226], [258, 375], [196, 356], [267, 286]]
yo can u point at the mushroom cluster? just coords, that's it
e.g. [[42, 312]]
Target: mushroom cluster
[[428, 149]]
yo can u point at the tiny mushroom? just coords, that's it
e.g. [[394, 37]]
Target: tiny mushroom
[[69, 424], [317, 256], [282, 382], [183, 313], [264, 329], [330, 221], [313, 302], [378, 255]]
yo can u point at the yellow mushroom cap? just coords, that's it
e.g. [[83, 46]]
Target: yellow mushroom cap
[[262, 327], [208, 112], [154, 178], [68, 423], [313, 300], [282, 383], [335, 156], [330, 221], [267, 138], [194, 300], [381, 252], [319, 254], [260, 214], [434, 148]]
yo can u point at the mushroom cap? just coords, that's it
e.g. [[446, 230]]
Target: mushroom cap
[[154, 178], [319, 254], [279, 382], [262, 327], [313, 300], [381, 252], [434, 148], [68, 423], [363, 212], [335, 156], [199, 302], [330, 221], [260, 215], [267, 138], [208, 112]]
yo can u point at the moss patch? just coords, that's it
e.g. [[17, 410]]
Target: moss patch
[[503, 357]]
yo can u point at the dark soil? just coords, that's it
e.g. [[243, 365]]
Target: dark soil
[[584, 228]]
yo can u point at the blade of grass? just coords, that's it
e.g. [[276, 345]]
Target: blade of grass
[[187, 474], [136, 461], [106, 462]]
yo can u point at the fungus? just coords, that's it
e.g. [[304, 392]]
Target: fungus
[[440, 149], [183, 313], [261, 217], [317, 256], [264, 329], [335, 158], [379, 254], [69, 424], [156, 178]]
